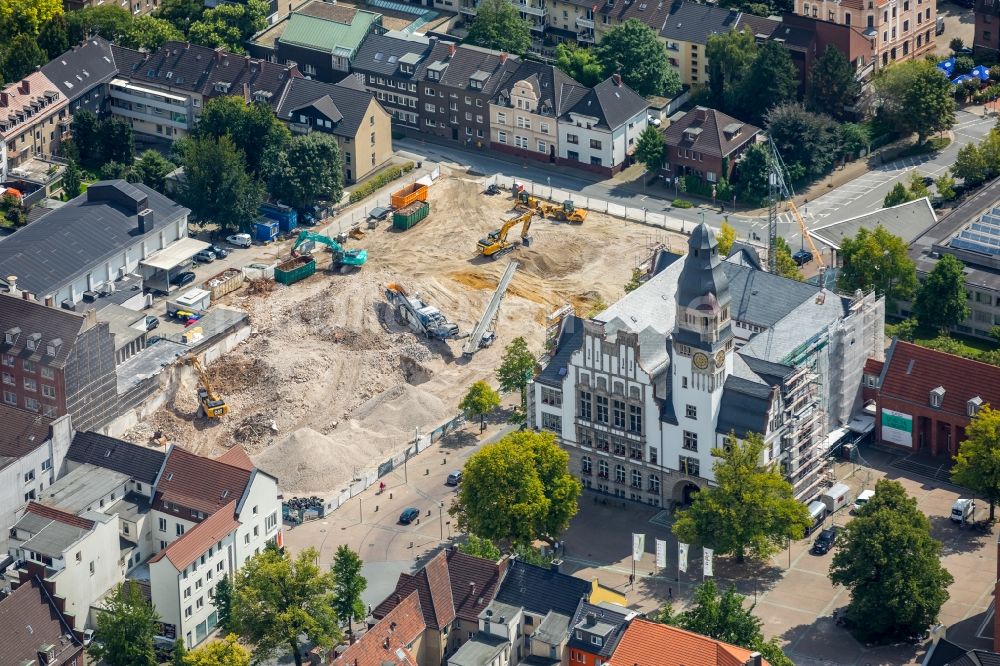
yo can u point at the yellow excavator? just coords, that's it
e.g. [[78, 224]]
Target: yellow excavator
[[495, 245], [210, 404], [567, 212]]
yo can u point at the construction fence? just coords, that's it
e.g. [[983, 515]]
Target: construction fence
[[630, 213], [359, 214]]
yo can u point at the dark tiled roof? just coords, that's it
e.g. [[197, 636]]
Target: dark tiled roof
[[757, 25], [198, 483], [570, 340], [911, 372], [139, 462], [127, 60], [708, 133], [29, 620], [604, 616], [650, 12], [344, 103], [783, 294], [82, 68], [744, 408], [558, 91], [467, 61], [22, 432], [69, 241], [693, 22], [944, 653], [473, 583], [250, 78], [541, 589], [611, 103], [379, 54], [772, 373], [54, 324]]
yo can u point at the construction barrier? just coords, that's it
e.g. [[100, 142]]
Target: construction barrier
[[357, 215]]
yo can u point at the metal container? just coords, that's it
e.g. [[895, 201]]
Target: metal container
[[406, 217], [294, 270]]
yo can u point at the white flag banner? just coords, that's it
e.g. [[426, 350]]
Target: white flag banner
[[661, 553], [682, 556], [707, 554], [638, 546]]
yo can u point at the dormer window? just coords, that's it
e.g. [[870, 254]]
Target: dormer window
[[53, 347], [33, 340], [972, 407], [11, 335], [937, 397]]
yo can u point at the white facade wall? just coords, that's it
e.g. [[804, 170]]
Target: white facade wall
[[626, 136], [577, 126], [259, 513], [88, 570]]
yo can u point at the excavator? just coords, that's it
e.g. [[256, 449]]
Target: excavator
[[341, 257], [210, 404], [567, 212], [495, 244]]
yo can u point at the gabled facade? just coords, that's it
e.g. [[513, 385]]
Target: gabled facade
[[387, 66], [396, 638], [31, 115], [82, 75], [686, 30], [706, 143]]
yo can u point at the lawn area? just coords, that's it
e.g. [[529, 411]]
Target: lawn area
[[955, 343]]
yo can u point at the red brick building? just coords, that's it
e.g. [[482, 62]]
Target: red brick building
[[706, 143], [926, 398], [986, 38]]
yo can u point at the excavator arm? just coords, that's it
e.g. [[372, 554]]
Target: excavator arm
[[348, 257], [212, 405]]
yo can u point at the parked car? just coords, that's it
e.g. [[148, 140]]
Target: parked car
[[455, 478], [409, 515], [204, 257], [824, 542], [940, 27], [240, 240], [152, 322], [802, 257], [219, 251], [181, 279], [862, 499], [928, 181]]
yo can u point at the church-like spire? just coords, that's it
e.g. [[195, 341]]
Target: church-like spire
[[703, 292]]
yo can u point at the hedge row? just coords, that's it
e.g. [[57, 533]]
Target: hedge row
[[379, 181]]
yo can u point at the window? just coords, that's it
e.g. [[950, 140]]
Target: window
[[653, 456], [502, 137], [8, 379], [937, 396], [596, 640], [618, 412], [586, 465], [585, 403], [28, 365], [8, 360], [543, 147], [200, 603], [10, 398], [46, 464], [635, 451], [187, 612], [689, 466], [620, 473], [572, 138], [654, 483], [29, 476], [636, 479], [544, 128], [690, 411], [220, 566], [635, 419], [602, 409], [48, 391], [163, 524], [197, 584], [271, 521], [31, 404], [92, 568], [602, 469], [246, 539], [502, 118], [551, 397], [187, 592], [619, 447], [595, 144], [690, 441], [30, 385], [180, 529]]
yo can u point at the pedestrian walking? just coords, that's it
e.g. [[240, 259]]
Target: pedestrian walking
[[670, 593]]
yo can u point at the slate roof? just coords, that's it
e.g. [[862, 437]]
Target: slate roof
[[140, 463], [911, 372], [198, 539], [758, 26], [703, 130], [570, 339], [762, 298], [345, 103], [540, 590], [467, 61], [198, 483], [693, 22], [71, 240], [744, 408], [126, 60], [82, 68], [398, 629], [29, 620], [651, 12], [54, 324], [601, 615], [22, 433], [556, 89], [380, 54], [327, 35], [908, 220], [611, 103], [772, 373], [648, 643], [946, 653]]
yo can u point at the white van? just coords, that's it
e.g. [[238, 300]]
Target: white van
[[963, 510], [862, 499]]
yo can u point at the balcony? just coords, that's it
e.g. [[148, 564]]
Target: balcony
[[531, 9], [585, 37], [584, 22], [469, 9]]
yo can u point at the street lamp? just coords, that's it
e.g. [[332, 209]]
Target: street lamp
[[441, 518]]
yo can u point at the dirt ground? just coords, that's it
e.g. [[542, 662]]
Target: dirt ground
[[330, 384]]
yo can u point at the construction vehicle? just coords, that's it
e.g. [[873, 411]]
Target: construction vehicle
[[342, 257], [420, 317], [567, 212], [495, 245], [484, 334], [210, 404]]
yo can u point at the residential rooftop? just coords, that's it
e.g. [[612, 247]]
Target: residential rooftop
[[83, 488], [31, 621]]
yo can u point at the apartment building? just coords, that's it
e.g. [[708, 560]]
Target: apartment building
[[33, 629], [387, 66], [535, 12], [82, 75], [707, 144], [134, 7], [986, 37], [525, 111], [598, 133], [31, 111], [685, 31]]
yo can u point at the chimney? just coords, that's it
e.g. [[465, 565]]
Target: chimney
[[187, 45], [554, 565], [617, 78], [246, 92], [90, 317], [701, 113], [218, 55], [12, 288], [591, 619], [146, 220], [4, 98], [246, 59], [26, 295], [50, 301], [755, 659], [472, 589], [452, 49], [26, 87], [503, 57]]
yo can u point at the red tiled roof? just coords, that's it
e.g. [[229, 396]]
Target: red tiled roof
[[395, 632], [28, 621], [711, 138], [200, 538], [198, 483], [59, 515], [646, 643], [915, 371], [237, 457], [873, 367]]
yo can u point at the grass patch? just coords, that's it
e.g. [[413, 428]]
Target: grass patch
[[681, 203], [953, 343], [934, 144]]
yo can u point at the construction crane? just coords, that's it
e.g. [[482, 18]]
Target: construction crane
[[779, 188], [210, 404], [495, 244], [484, 334], [341, 256], [420, 317]]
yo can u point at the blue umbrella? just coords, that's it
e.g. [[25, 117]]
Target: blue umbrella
[[961, 79], [947, 65], [981, 72]]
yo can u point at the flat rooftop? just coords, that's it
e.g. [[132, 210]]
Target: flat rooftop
[[81, 489]]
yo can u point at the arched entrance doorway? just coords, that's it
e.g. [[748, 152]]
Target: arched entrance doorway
[[684, 492]]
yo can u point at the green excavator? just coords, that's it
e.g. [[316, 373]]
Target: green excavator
[[341, 257]]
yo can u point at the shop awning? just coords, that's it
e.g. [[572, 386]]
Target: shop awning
[[175, 254]]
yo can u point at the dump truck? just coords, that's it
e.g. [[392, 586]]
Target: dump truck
[[409, 194]]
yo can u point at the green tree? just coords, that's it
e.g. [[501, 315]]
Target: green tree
[[116, 170], [224, 602], [517, 490], [750, 511], [216, 185], [897, 195], [54, 36], [579, 63], [785, 264], [945, 185], [752, 174], [348, 585], [227, 652], [956, 44], [22, 56], [724, 616], [254, 129], [635, 51], [517, 367], [807, 142], [726, 238], [125, 629], [634, 281], [180, 651], [854, 137], [181, 13], [149, 33], [832, 84], [877, 260], [26, 16], [771, 80], [941, 301], [499, 26], [970, 165], [86, 137], [310, 169], [109, 21], [152, 169], [479, 547], [649, 149], [72, 181], [977, 465], [917, 188], [277, 599], [229, 25], [915, 97], [730, 56], [117, 142], [891, 565], [480, 401]]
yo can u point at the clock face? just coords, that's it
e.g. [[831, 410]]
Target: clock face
[[700, 361], [720, 358]]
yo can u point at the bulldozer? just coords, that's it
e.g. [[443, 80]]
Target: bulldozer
[[495, 245], [567, 212], [210, 404]]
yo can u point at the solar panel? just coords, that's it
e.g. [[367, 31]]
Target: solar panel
[[965, 244]]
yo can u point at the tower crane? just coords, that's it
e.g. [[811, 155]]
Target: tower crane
[[779, 188]]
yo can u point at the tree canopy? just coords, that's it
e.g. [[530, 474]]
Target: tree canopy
[[832, 85], [730, 56], [752, 174], [229, 25], [977, 465], [726, 238], [915, 97], [181, 13], [579, 63], [54, 36], [227, 652], [224, 602], [480, 400], [125, 629], [253, 128], [877, 260], [216, 185], [891, 565], [517, 367], [771, 80], [152, 169], [809, 143], [21, 56], [785, 264], [348, 585], [650, 148], [499, 26], [635, 51], [750, 511], [310, 169], [517, 490], [72, 180], [277, 599], [941, 301], [480, 547], [26, 16]]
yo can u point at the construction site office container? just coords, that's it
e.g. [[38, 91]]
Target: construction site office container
[[294, 270], [265, 231], [409, 194], [406, 217], [286, 216]]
